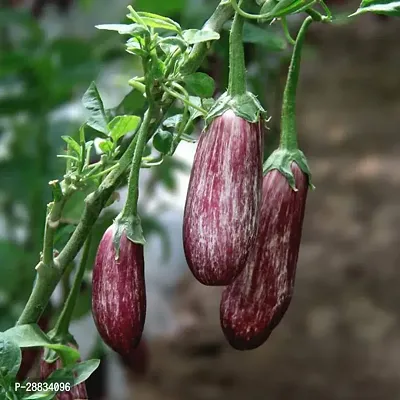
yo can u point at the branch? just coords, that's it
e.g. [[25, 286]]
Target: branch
[[52, 222]]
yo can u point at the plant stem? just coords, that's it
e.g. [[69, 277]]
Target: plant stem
[[316, 16], [326, 9], [62, 324], [237, 67], [52, 222], [245, 14], [130, 207], [131, 204], [95, 202], [184, 98], [288, 119], [287, 32], [102, 173]]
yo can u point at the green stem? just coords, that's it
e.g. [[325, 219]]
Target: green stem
[[62, 325], [326, 9], [76, 159], [287, 32], [95, 202], [171, 62], [130, 207], [237, 67], [183, 99], [52, 222], [131, 204], [136, 16], [102, 173], [288, 120], [245, 14], [137, 85], [316, 16]]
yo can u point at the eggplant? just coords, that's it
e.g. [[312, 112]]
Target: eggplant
[[223, 199], [119, 293], [255, 303]]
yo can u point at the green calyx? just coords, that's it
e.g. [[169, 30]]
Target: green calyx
[[282, 159], [245, 106], [132, 227], [65, 338]]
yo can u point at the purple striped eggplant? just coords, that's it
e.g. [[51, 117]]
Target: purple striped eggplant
[[255, 303], [223, 199], [77, 392], [119, 293]]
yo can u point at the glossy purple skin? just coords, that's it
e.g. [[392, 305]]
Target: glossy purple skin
[[119, 293], [223, 199], [77, 392], [255, 303]]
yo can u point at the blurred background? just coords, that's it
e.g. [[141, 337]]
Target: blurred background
[[340, 339]]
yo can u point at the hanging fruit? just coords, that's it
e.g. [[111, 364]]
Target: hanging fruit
[[223, 198]]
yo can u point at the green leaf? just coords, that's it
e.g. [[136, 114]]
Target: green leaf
[[106, 146], [193, 36], [39, 395], [287, 7], [167, 20], [61, 375], [268, 6], [32, 336], [207, 103], [74, 374], [134, 47], [173, 122], [28, 336], [170, 44], [72, 144], [122, 29], [385, 7], [10, 356], [83, 370], [157, 22], [158, 68], [200, 84], [162, 141], [194, 113], [132, 103], [67, 354], [92, 102], [121, 125]]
